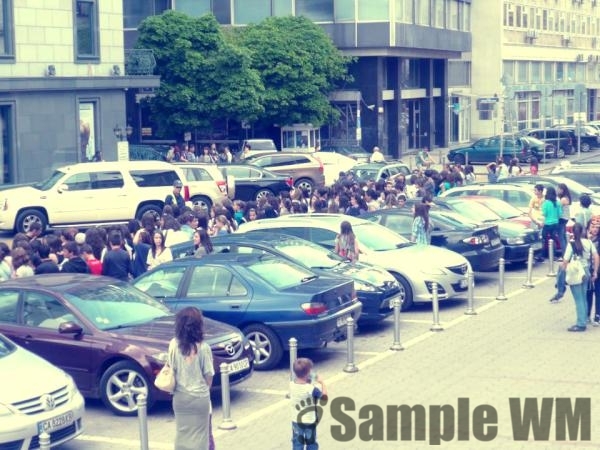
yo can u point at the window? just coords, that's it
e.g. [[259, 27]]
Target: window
[[438, 13], [8, 306], [107, 180], [452, 15], [423, 12], [6, 32], [134, 11], [315, 10], [522, 71], [344, 10], [250, 11], [44, 311], [536, 72], [404, 11], [548, 72], [192, 7], [465, 16], [78, 182], [154, 178], [373, 10], [209, 281], [86, 30], [163, 282]]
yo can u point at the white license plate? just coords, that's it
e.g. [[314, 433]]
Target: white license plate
[[495, 241], [238, 366], [55, 423], [341, 322], [537, 245], [464, 284]]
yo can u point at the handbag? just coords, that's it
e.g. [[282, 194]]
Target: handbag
[[575, 270], [165, 380]]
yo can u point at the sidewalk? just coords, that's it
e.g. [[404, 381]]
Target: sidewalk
[[518, 348]]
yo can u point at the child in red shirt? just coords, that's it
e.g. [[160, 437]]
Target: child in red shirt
[[88, 255]]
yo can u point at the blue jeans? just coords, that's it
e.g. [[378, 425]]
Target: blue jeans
[[562, 235], [579, 292], [561, 281], [304, 437]]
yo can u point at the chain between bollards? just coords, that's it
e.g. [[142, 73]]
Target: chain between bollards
[[470, 294], [350, 367], [44, 441], [227, 423], [501, 269], [142, 412], [436, 308], [551, 271], [529, 282], [293, 344], [397, 345]]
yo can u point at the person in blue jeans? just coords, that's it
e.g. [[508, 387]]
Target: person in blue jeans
[[585, 250]]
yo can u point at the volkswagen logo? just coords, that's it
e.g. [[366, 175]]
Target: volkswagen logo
[[230, 349], [48, 402]]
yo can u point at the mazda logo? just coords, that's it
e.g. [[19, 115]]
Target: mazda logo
[[48, 402], [230, 349]]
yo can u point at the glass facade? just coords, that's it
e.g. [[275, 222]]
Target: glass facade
[[373, 10], [344, 11], [250, 11], [315, 10], [193, 8]]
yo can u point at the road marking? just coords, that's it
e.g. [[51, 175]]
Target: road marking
[[135, 443], [414, 321]]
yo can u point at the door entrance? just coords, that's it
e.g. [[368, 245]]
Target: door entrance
[[415, 125]]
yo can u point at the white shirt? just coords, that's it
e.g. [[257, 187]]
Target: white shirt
[[377, 157]]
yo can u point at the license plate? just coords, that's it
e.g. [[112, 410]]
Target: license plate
[[537, 245], [495, 241], [391, 302], [55, 423], [464, 284], [341, 322], [238, 366]]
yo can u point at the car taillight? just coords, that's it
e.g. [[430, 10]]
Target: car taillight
[[290, 182], [5, 205], [186, 193], [314, 308], [477, 240], [320, 165], [222, 185]]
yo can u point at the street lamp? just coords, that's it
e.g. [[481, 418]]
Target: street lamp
[[123, 134]]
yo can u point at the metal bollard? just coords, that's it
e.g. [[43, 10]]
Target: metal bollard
[[529, 282], [142, 412], [501, 268], [44, 441], [470, 294], [551, 271], [397, 345], [436, 308], [293, 343], [227, 423], [350, 367]]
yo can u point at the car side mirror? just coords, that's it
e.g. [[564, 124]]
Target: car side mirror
[[62, 188], [69, 328]]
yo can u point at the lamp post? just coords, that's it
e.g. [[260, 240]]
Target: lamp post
[[123, 134]]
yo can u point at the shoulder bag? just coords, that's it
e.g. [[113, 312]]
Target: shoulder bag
[[165, 380], [575, 270]]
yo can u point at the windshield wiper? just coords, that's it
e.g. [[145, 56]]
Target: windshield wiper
[[404, 244], [305, 279]]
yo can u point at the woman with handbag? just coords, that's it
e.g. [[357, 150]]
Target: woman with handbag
[[193, 368], [580, 251]]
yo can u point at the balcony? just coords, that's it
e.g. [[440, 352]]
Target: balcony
[[139, 62]]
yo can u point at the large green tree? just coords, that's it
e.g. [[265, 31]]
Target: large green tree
[[204, 77], [299, 66]]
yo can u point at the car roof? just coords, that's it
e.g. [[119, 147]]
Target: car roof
[[319, 218], [257, 236], [116, 165], [60, 282]]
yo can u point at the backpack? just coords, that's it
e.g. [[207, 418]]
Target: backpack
[[575, 270]]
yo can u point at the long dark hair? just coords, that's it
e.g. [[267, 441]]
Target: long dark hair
[[564, 191], [205, 240], [577, 234], [551, 194], [162, 242], [189, 329], [422, 211], [346, 230]]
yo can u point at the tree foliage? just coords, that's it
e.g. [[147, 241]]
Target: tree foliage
[[299, 67], [203, 76]]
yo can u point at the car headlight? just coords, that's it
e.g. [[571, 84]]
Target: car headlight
[[432, 271], [515, 240], [365, 287]]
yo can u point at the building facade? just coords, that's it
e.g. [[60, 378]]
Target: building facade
[[399, 97], [535, 63], [62, 84]]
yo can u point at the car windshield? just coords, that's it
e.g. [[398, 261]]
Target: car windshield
[[279, 273], [49, 182], [309, 254], [451, 220], [502, 208], [366, 173], [115, 305], [475, 211], [378, 238], [6, 347]]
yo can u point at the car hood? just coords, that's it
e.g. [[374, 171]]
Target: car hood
[[159, 332], [365, 273], [26, 192], [419, 256], [31, 377]]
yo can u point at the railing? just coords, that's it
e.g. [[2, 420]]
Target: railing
[[139, 61]]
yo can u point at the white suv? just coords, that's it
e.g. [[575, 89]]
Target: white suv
[[91, 193]]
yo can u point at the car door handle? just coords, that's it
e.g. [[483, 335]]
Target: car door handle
[[235, 306]]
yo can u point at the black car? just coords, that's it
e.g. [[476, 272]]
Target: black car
[[253, 183], [480, 244], [586, 135], [564, 141]]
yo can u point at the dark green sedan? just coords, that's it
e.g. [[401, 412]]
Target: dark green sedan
[[487, 150]]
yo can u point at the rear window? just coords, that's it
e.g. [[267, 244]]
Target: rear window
[[154, 178], [197, 174], [279, 273]]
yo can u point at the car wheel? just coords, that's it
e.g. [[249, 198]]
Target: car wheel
[[585, 147], [265, 345], [560, 153], [120, 386], [459, 159], [406, 294], [202, 201], [263, 193], [153, 208], [304, 183], [29, 216]]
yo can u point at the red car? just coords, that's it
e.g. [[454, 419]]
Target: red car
[[109, 336]]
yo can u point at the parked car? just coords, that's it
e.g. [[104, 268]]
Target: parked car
[[576, 189], [564, 141], [587, 135], [270, 299], [109, 336], [206, 184], [479, 244], [375, 287], [586, 174], [35, 397], [487, 150], [415, 267], [91, 193], [355, 152], [377, 171], [304, 168], [516, 237], [333, 164], [260, 146], [254, 183]]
